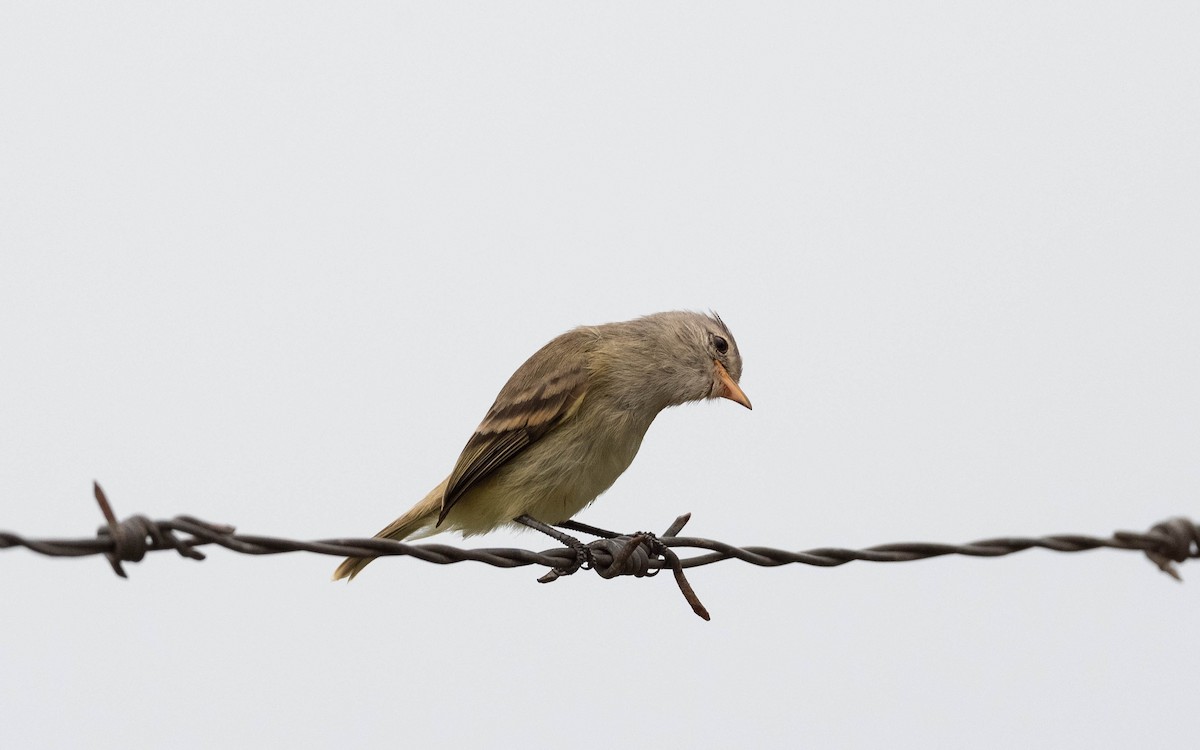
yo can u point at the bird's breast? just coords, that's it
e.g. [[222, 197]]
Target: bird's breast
[[566, 470]]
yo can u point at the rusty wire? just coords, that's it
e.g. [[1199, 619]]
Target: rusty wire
[[640, 554]]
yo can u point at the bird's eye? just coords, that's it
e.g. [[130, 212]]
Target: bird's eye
[[720, 344]]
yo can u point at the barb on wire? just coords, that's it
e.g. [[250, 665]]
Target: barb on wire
[[642, 554]]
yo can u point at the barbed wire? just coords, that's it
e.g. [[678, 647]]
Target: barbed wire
[[641, 554]]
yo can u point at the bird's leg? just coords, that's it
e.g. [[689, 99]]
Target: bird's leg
[[596, 531], [527, 520], [583, 554], [584, 528]]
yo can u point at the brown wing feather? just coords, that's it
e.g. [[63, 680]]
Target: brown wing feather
[[538, 395]]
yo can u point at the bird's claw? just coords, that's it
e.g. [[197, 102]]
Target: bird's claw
[[583, 559], [657, 550]]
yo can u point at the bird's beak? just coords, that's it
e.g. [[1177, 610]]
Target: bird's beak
[[726, 388]]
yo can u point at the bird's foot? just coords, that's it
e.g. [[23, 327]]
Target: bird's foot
[[583, 553], [583, 559]]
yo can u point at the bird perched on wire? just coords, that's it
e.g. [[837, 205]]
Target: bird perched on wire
[[570, 420]]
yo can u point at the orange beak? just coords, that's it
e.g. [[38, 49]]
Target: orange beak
[[726, 388]]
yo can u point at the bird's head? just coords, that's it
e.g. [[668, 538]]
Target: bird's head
[[683, 356]]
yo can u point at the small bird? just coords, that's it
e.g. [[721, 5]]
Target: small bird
[[570, 420]]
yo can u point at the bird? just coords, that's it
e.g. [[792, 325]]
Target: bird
[[570, 421]]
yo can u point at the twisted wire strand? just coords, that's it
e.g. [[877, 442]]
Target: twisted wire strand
[[641, 554]]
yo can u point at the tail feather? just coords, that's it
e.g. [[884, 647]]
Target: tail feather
[[351, 567], [421, 517]]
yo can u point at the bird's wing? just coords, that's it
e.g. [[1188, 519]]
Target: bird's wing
[[542, 393]]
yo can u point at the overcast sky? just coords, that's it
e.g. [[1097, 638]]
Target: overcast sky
[[269, 263]]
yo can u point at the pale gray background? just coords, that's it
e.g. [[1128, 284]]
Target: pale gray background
[[269, 263]]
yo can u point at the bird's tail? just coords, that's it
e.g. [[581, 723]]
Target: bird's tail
[[420, 518]]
